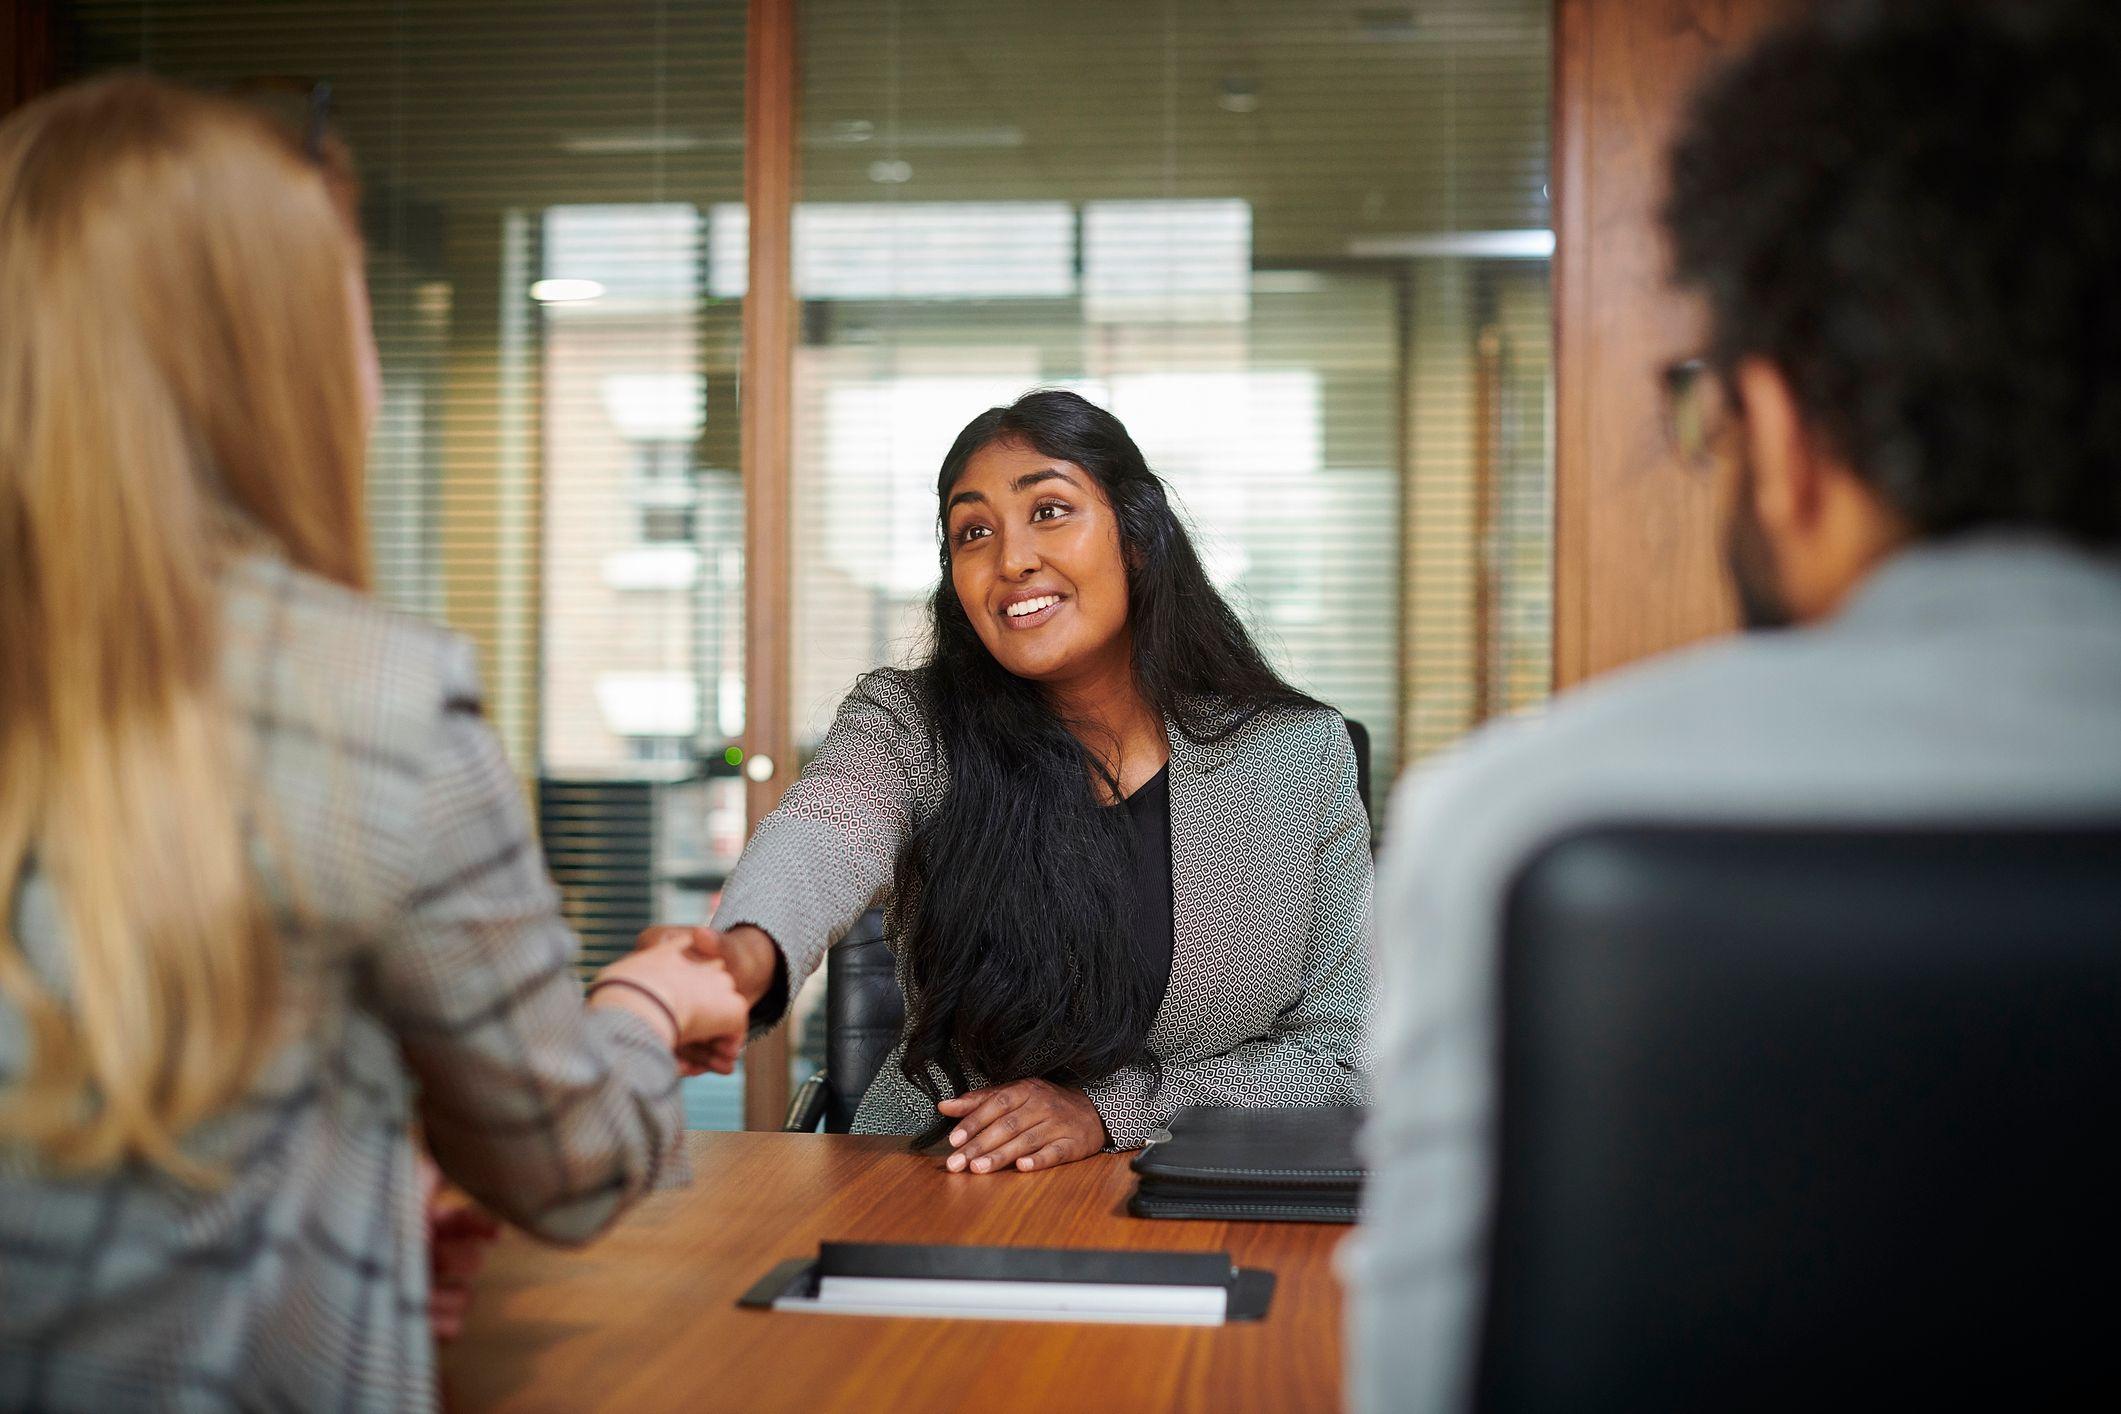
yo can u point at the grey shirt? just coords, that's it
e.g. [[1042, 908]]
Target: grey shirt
[[1974, 680]]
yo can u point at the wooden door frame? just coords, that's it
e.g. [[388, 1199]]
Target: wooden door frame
[[767, 415], [1637, 563]]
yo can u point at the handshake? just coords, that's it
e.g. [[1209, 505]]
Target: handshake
[[696, 987]]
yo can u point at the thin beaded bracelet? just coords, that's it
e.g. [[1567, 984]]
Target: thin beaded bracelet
[[677, 1032]]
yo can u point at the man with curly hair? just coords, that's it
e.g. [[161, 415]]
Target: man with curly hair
[[1902, 224]]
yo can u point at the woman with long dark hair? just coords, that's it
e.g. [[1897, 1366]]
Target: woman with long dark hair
[[1125, 864]]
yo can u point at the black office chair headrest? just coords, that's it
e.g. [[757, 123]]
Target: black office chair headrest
[[1804, 1116]]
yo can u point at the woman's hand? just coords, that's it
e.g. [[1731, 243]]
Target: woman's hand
[[750, 956], [1030, 1124], [687, 995], [458, 1234]]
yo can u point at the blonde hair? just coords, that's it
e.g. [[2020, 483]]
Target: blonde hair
[[177, 381]]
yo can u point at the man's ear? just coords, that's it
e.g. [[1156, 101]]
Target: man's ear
[[1787, 491]]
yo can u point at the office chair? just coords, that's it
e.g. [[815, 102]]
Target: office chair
[[1808, 1118], [864, 1013], [1359, 738]]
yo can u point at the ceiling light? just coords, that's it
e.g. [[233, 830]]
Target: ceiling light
[[891, 171], [565, 291], [1475, 245]]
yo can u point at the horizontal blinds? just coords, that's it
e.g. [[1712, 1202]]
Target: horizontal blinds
[[554, 472], [1273, 239]]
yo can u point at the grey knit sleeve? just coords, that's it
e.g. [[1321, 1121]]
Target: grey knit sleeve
[[828, 852]]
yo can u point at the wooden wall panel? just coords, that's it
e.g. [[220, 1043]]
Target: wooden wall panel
[[26, 57], [1636, 541]]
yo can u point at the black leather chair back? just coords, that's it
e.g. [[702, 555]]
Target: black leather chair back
[[1797, 1119], [864, 1012], [1359, 738]]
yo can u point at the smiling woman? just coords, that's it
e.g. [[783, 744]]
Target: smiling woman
[[1126, 865], [1036, 566]]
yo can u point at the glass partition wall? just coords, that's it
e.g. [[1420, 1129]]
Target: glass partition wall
[[1301, 250]]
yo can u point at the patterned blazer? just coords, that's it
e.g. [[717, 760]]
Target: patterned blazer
[[428, 977], [1270, 886]]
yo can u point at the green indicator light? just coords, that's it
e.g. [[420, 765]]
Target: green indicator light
[[734, 756]]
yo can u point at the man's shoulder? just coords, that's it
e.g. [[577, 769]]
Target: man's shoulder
[[1684, 730], [1639, 716]]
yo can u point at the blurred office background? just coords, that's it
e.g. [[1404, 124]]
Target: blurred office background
[[1302, 249]]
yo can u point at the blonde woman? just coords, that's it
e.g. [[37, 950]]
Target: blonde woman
[[268, 896]]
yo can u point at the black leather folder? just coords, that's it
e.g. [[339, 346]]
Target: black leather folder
[[1228, 1163]]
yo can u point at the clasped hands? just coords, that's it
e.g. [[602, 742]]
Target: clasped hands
[[697, 988]]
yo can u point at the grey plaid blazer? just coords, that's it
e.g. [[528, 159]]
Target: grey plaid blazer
[[429, 977], [1270, 887]]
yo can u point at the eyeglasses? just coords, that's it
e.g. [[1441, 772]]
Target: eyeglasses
[[1697, 410]]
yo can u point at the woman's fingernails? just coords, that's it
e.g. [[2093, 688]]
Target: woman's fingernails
[[1024, 1164], [957, 1136], [979, 1165], [954, 1162]]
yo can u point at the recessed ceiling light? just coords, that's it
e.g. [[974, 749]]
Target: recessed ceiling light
[[891, 171], [565, 291]]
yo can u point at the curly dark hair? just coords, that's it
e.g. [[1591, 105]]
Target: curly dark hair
[[1913, 211], [1016, 893]]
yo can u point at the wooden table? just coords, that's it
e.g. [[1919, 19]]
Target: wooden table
[[646, 1318]]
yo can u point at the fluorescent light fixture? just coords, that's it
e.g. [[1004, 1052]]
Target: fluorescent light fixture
[[1486, 245], [566, 291]]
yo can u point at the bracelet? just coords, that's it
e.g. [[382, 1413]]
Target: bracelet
[[677, 1032]]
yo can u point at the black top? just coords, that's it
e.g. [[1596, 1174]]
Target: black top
[[1149, 809]]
